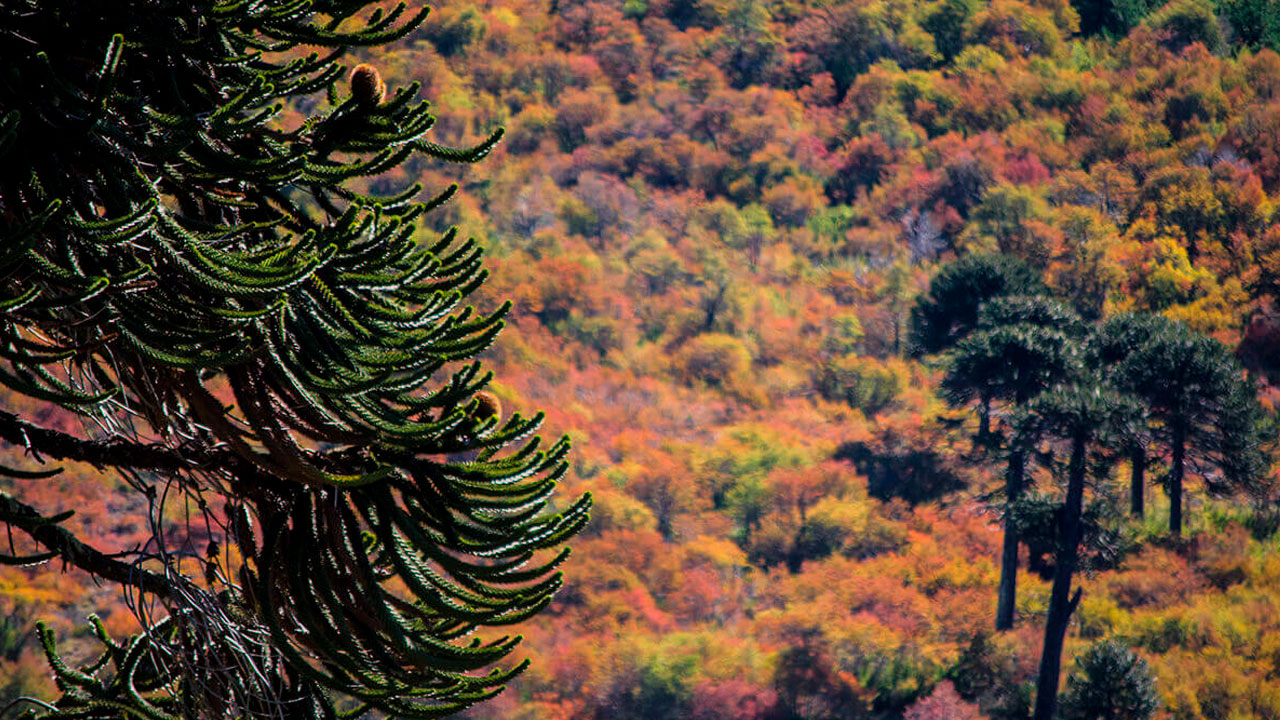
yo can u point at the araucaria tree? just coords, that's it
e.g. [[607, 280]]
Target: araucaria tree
[[949, 311], [1082, 417], [1021, 347], [238, 324], [1203, 412], [1110, 682]]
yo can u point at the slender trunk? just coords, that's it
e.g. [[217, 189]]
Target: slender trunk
[[1061, 602], [1008, 592], [1175, 482], [984, 420], [664, 521], [1137, 487]]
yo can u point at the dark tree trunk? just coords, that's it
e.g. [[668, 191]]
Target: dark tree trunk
[[1137, 480], [664, 522], [1061, 602], [1176, 473], [984, 420], [1008, 591]]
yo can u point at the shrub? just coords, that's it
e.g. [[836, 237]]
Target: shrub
[[1110, 682]]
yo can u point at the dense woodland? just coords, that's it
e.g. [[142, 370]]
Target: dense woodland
[[716, 220]]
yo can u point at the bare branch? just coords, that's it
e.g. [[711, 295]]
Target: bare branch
[[72, 550]]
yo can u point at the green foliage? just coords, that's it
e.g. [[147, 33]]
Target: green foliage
[[687, 300], [1256, 23], [1086, 416], [946, 21], [1110, 682], [1022, 347], [864, 383], [985, 672], [750, 45], [1015, 29], [1194, 392], [1112, 17], [950, 309], [184, 263], [455, 31], [1183, 22], [1009, 215], [1037, 517]]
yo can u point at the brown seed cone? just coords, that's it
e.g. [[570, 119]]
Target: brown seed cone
[[367, 86], [489, 406]]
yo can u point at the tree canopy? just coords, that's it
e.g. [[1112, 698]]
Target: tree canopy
[[950, 310], [206, 279], [1204, 412]]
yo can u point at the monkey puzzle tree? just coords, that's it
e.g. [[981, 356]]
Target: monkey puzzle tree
[[1110, 682], [949, 311], [1081, 416], [1202, 411], [1109, 348], [1021, 347], [206, 285]]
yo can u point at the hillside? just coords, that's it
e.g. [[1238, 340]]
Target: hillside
[[714, 219]]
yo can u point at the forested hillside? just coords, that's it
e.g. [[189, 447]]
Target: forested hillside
[[715, 218]]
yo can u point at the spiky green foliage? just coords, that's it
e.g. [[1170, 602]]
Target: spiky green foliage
[[1020, 347], [208, 285], [1082, 416], [950, 310], [1202, 412], [1110, 682]]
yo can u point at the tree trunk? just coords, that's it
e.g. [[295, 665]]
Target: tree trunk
[[1137, 480], [1008, 592], [1175, 482], [984, 420], [1061, 602]]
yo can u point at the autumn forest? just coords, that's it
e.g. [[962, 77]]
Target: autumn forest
[[900, 343]]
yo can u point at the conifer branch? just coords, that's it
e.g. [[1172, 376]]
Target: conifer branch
[[73, 551]]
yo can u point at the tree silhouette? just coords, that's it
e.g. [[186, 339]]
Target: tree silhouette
[[1109, 348], [202, 280], [950, 309], [1083, 416], [1202, 409], [1022, 346]]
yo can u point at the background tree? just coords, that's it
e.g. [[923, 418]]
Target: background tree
[[1082, 416], [623, 129], [1109, 682], [1114, 17], [196, 272], [1204, 410], [1109, 349], [1022, 347]]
